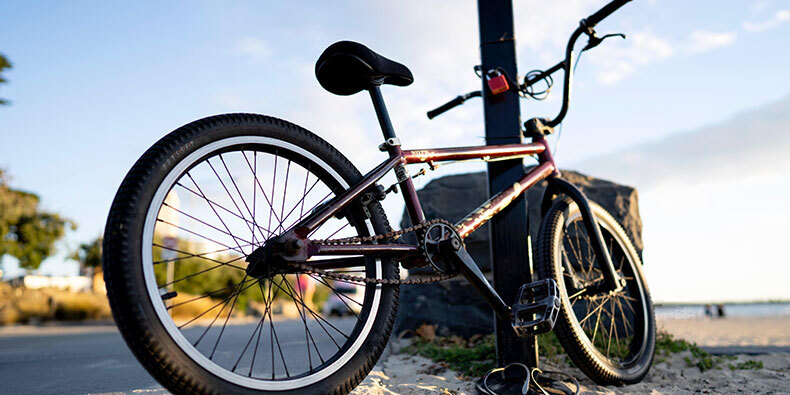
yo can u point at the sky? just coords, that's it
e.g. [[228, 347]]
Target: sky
[[691, 109]]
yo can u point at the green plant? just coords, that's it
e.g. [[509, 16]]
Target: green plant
[[470, 358], [747, 365], [666, 344]]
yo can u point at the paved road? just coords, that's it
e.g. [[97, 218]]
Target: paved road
[[69, 360], [93, 359]]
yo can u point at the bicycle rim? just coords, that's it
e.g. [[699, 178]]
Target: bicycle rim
[[217, 217]]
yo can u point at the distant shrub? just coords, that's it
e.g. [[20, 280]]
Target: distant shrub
[[19, 305]]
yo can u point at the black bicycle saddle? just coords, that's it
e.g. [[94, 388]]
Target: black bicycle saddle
[[346, 68]]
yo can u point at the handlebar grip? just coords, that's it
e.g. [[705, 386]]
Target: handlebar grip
[[445, 107], [607, 10]]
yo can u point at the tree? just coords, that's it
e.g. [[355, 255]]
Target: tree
[[4, 64], [89, 254], [26, 232]]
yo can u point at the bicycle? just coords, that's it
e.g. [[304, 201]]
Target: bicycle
[[204, 225]]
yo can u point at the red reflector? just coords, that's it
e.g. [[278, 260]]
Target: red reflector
[[498, 84]]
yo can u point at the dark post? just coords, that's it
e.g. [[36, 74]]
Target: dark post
[[509, 249]]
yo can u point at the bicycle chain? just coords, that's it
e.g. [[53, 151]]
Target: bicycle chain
[[395, 234]]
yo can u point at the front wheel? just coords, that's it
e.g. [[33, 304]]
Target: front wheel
[[609, 336], [187, 215]]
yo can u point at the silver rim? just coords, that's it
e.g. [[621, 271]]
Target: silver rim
[[170, 326]]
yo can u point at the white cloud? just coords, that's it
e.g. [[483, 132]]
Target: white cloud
[[750, 144], [711, 201], [618, 61], [777, 19], [702, 40], [254, 49]]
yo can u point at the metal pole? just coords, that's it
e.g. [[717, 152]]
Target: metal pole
[[509, 232]]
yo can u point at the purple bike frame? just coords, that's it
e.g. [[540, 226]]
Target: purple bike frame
[[398, 158]]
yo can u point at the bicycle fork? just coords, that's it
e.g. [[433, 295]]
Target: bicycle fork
[[612, 281]]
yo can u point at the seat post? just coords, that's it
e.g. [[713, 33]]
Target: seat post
[[382, 113], [393, 148]]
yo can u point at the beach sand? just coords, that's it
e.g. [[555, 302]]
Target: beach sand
[[767, 339]]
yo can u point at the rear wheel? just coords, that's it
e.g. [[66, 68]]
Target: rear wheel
[[609, 336], [181, 225]]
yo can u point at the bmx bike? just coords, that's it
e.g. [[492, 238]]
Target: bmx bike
[[228, 234]]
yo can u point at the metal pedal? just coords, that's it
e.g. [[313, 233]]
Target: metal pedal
[[536, 309]]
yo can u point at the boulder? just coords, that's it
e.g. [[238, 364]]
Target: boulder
[[453, 305]]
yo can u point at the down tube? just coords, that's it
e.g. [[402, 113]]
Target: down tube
[[501, 200]]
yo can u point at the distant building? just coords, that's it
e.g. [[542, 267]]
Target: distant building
[[65, 283]]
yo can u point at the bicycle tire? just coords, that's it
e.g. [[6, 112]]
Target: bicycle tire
[[565, 255], [130, 252]]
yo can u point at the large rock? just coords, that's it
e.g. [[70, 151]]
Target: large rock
[[454, 305]]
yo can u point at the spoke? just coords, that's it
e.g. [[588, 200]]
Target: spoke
[[318, 317], [258, 340], [597, 322], [611, 326], [301, 201], [208, 161], [340, 295], [213, 307], [591, 313], [232, 305], [276, 338], [216, 213], [254, 191], [303, 314], [616, 336], [271, 208], [225, 304], [239, 250], [576, 254], [337, 231], [327, 333], [206, 295], [305, 192], [628, 327], [189, 254], [257, 327], [265, 196], [261, 229], [205, 270], [285, 190]]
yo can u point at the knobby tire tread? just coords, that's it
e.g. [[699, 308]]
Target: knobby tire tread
[[572, 344]]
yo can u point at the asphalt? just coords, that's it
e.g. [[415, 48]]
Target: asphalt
[[94, 359], [85, 359]]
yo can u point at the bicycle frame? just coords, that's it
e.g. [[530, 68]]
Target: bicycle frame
[[398, 158], [299, 248]]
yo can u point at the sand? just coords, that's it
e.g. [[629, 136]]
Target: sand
[[406, 374]]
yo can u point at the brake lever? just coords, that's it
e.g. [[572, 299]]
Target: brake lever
[[594, 40]]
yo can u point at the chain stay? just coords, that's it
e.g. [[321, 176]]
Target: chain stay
[[395, 234]]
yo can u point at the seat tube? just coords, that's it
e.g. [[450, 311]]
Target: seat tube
[[392, 144]]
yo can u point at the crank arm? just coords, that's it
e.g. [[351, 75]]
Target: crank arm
[[453, 250]]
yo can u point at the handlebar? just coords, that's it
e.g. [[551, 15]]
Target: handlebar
[[586, 26], [604, 12], [452, 104]]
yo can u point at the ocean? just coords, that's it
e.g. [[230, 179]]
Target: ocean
[[730, 310]]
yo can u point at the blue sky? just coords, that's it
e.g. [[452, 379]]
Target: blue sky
[[96, 83]]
